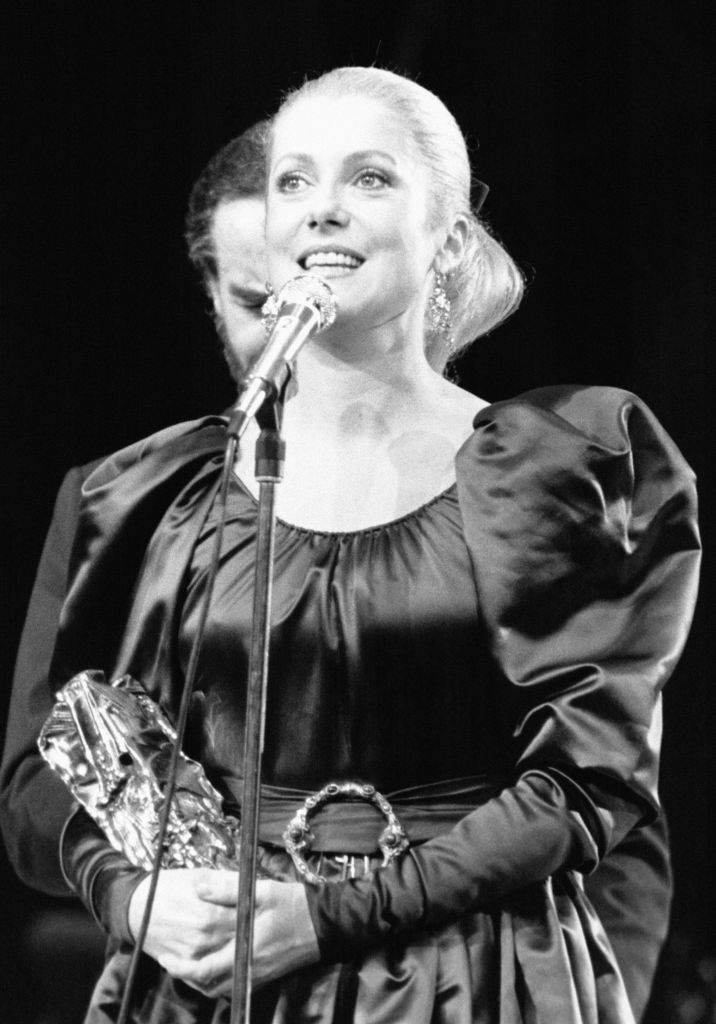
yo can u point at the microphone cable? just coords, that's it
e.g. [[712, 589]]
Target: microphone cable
[[304, 305], [187, 691]]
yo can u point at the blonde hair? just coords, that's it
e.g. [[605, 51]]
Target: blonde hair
[[487, 285]]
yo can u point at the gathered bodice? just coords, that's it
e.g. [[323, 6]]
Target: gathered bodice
[[375, 651]]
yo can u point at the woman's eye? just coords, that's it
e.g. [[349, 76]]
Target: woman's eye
[[371, 178], [290, 181]]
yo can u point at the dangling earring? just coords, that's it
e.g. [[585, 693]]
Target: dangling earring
[[439, 313], [269, 310]]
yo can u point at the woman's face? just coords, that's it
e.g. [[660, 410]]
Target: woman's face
[[239, 288], [348, 201]]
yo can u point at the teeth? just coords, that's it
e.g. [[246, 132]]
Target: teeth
[[331, 259]]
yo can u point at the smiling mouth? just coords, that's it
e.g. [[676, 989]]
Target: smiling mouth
[[329, 259]]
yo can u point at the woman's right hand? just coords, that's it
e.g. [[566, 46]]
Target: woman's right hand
[[192, 925]]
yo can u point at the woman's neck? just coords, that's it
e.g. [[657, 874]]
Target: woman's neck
[[368, 440], [347, 393]]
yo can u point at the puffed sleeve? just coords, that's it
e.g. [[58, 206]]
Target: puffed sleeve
[[33, 801], [124, 502], [155, 488], [580, 517], [104, 513]]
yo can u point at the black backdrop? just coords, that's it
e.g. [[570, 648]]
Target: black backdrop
[[594, 122]]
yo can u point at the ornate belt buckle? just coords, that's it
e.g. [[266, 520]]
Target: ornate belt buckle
[[298, 836]]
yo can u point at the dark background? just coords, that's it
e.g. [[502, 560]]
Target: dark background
[[595, 124]]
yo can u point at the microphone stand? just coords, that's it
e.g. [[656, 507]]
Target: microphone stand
[[270, 454]]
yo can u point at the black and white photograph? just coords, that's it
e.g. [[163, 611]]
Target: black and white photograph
[[358, 604]]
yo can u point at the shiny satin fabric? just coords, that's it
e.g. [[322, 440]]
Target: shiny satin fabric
[[576, 520], [582, 530], [541, 956], [423, 812]]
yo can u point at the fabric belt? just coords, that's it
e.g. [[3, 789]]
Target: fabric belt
[[354, 826]]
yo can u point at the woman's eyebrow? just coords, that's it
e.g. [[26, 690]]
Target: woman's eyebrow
[[360, 154], [298, 158], [372, 154]]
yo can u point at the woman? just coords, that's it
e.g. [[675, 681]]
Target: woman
[[475, 607]]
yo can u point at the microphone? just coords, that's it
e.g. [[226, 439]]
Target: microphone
[[306, 305]]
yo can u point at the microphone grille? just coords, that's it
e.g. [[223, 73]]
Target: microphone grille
[[313, 291]]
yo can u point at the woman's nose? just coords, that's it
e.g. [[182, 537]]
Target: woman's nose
[[327, 210]]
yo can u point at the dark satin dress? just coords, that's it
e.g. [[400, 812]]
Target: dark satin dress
[[491, 662], [375, 657]]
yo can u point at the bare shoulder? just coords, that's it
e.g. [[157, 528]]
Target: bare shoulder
[[458, 409]]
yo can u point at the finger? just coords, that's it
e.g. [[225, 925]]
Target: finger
[[213, 975], [214, 987], [220, 887]]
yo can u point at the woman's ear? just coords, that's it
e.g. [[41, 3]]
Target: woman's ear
[[451, 251]]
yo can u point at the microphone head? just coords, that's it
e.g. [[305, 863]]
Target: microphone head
[[311, 291]]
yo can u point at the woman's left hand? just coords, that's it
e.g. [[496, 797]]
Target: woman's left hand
[[284, 937]]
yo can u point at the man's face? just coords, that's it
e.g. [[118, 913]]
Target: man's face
[[239, 289]]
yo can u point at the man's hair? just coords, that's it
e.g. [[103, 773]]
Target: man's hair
[[237, 171]]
